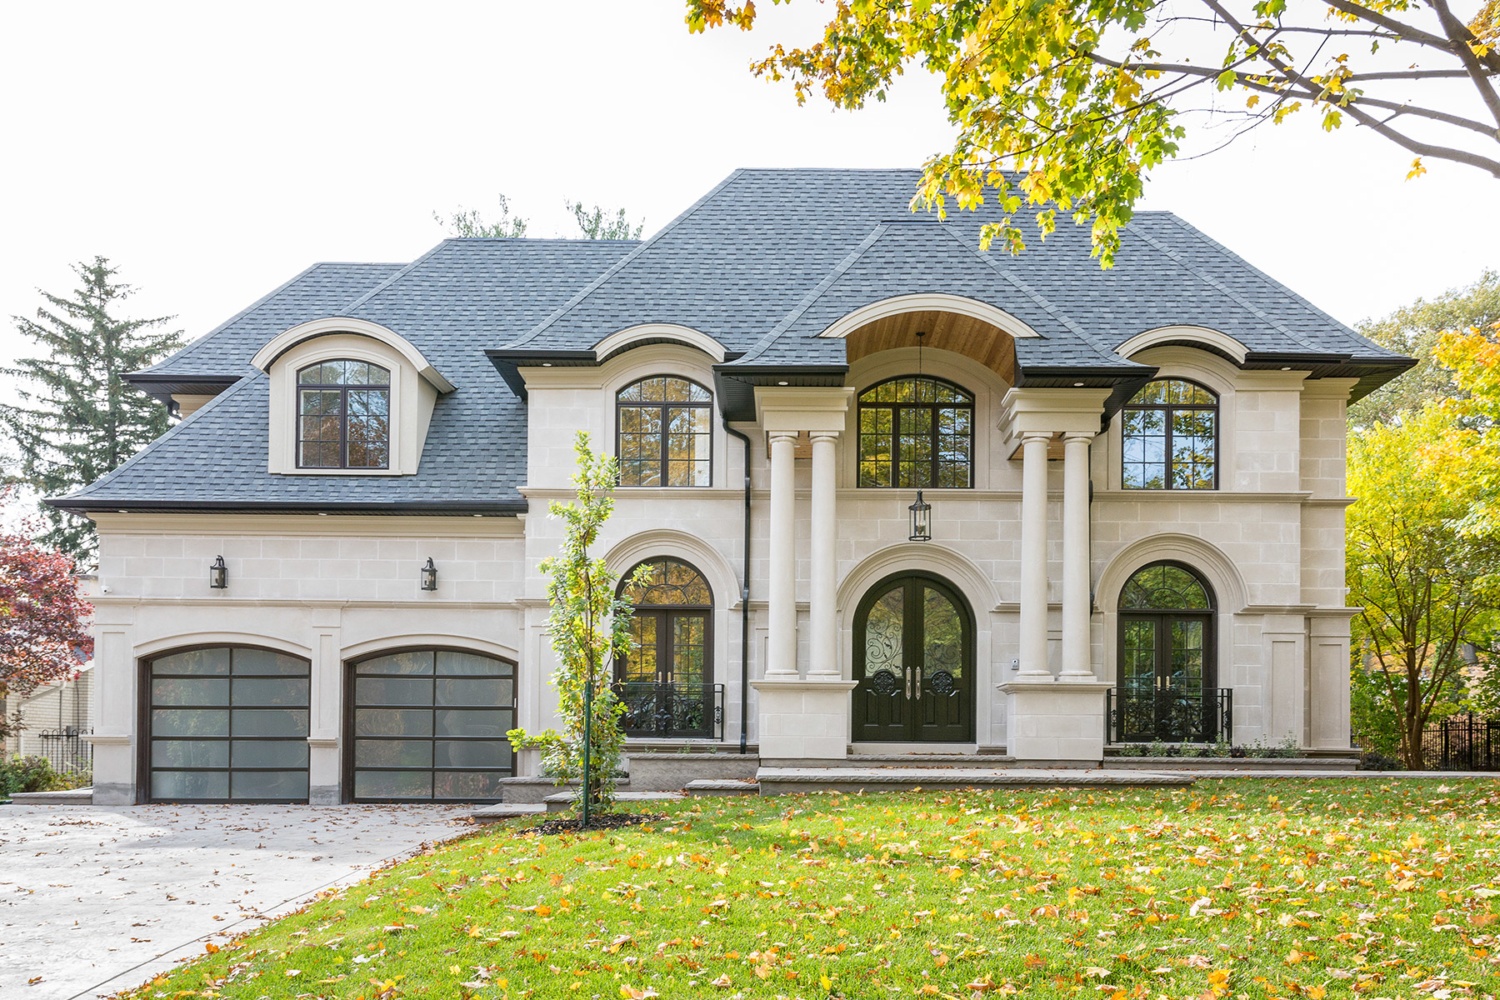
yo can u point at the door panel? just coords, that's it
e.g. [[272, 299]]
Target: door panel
[[1163, 674], [913, 664]]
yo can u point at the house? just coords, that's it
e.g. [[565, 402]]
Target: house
[[893, 494]]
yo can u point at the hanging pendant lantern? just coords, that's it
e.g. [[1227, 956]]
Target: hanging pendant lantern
[[921, 520]]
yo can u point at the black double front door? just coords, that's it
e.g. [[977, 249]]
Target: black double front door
[[913, 663]]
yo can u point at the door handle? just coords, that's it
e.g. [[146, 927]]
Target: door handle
[[919, 683], [908, 683]]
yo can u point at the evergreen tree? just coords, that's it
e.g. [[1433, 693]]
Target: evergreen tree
[[77, 418]]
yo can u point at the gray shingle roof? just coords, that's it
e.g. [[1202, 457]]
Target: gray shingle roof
[[763, 263]]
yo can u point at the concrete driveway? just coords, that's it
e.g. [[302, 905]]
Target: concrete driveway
[[97, 899]]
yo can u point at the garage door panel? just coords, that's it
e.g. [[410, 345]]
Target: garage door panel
[[452, 747], [189, 722], [268, 784], [193, 661], [195, 691], [253, 662], [270, 753], [189, 753], [173, 785], [271, 691], [393, 722]]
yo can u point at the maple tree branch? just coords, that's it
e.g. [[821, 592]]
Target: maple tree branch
[[1462, 37]]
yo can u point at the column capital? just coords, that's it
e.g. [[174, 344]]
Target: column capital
[[775, 436], [1085, 436], [1027, 437], [824, 435]]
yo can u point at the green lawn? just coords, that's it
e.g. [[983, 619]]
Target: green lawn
[[1368, 888]]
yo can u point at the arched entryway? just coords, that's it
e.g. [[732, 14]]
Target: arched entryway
[[1166, 689], [666, 680], [913, 662]]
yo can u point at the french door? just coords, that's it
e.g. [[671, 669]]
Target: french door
[[913, 663]]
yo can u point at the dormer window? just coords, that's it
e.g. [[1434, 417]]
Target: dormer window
[[343, 415], [665, 436]]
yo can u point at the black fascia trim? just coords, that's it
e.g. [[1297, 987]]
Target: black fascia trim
[[509, 362], [161, 385], [1288, 359], [735, 384], [432, 507]]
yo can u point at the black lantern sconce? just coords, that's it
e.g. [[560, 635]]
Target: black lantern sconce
[[429, 575], [218, 574], [921, 520]]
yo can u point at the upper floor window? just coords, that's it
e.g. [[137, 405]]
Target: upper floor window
[[665, 438], [916, 432], [1170, 433], [343, 416]]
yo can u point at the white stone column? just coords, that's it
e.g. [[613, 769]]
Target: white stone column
[[1034, 553], [1075, 602], [782, 657], [823, 658]]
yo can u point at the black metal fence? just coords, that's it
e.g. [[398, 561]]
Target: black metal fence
[[672, 711], [1462, 743], [1170, 716], [67, 750]]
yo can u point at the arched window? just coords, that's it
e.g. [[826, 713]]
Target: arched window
[[666, 680], [665, 437], [916, 432], [343, 416], [1170, 433], [1166, 684]]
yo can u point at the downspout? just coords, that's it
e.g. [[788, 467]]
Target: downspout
[[744, 601]]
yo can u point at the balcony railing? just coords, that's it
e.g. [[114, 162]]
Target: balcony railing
[[1169, 715], [672, 711]]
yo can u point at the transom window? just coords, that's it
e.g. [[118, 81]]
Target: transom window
[[1171, 437], [916, 432], [665, 438], [343, 416]]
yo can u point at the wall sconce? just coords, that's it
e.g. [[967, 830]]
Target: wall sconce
[[429, 575], [921, 520], [218, 574]]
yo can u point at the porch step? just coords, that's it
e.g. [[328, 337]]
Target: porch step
[[563, 801], [704, 787], [974, 761], [790, 780], [71, 797], [536, 788], [1238, 765], [506, 810]]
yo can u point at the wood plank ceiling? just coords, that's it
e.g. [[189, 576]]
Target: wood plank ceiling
[[983, 342]]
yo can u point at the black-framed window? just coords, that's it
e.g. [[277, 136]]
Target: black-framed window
[[1170, 437], [343, 416], [916, 432], [665, 433]]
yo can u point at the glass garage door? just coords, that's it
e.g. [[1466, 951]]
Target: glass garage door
[[429, 725], [227, 724]]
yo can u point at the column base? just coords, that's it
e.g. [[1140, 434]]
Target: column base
[[804, 719], [1051, 720]]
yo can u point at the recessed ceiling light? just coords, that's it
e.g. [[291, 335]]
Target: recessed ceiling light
[[546, 364], [1287, 368], [1078, 385], [783, 383], [122, 510]]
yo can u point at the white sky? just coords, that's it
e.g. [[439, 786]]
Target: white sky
[[214, 150]]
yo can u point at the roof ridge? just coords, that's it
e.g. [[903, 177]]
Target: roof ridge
[[817, 291], [1265, 278], [198, 341], [172, 432], [571, 240], [1215, 283], [400, 273], [614, 268], [1025, 288]]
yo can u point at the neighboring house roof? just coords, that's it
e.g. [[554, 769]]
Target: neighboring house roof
[[763, 263]]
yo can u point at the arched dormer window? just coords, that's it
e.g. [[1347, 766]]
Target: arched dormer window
[[343, 415], [1170, 437], [916, 432], [664, 433]]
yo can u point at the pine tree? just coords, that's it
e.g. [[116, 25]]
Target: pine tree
[[77, 418]]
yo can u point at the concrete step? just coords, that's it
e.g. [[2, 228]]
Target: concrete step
[[1248, 765], [506, 810], [563, 801], [707, 786], [536, 788], [71, 797], [789, 780]]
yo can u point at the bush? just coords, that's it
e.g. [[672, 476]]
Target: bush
[[27, 774], [1374, 760]]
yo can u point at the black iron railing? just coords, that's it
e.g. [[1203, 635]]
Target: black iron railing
[[67, 749], [1462, 743], [672, 711], [1169, 716]]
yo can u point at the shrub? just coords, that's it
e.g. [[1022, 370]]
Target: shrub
[[27, 774]]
